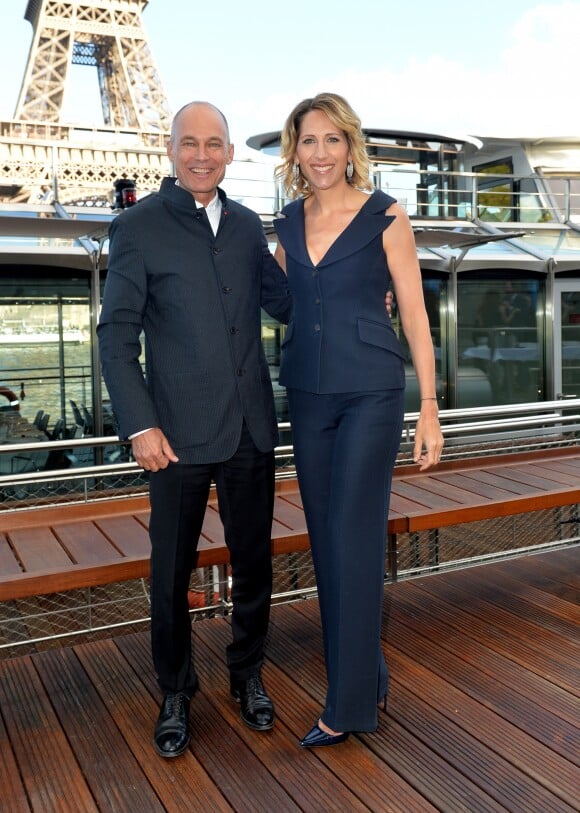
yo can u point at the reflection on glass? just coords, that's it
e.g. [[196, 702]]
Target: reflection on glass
[[272, 334], [570, 342], [435, 293], [46, 354], [500, 359], [45, 348]]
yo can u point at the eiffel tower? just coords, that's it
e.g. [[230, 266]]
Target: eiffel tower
[[42, 158]]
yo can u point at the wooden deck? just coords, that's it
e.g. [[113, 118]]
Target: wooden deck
[[483, 715]]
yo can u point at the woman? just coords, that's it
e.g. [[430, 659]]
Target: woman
[[343, 369]]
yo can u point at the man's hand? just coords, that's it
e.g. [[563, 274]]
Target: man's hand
[[152, 451]]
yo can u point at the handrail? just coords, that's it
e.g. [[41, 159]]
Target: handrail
[[481, 426], [455, 424], [502, 409], [77, 473], [501, 423], [446, 415], [71, 443], [462, 193]]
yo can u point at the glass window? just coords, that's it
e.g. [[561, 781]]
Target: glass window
[[272, 334], [529, 203], [45, 361], [565, 193], [495, 198], [500, 339], [567, 337], [417, 175], [435, 293]]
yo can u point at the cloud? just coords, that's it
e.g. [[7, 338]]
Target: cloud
[[527, 87]]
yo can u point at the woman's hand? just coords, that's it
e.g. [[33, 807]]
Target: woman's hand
[[428, 437]]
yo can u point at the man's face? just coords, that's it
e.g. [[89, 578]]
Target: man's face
[[200, 151]]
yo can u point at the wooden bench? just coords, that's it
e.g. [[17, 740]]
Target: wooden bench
[[459, 492], [50, 550], [497, 485]]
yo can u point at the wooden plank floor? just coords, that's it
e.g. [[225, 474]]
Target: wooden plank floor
[[484, 711]]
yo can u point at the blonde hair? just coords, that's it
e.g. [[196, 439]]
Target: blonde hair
[[342, 116]]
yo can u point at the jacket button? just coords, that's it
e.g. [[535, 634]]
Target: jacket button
[[317, 301], [233, 330], [240, 371], [217, 250], [317, 328], [226, 290]]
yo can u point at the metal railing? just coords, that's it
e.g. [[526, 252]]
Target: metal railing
[[72, 134], [470, 196], [468, 433], [477, 431], [532, 198]]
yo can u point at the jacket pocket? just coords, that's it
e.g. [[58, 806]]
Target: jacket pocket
[[379, 335]]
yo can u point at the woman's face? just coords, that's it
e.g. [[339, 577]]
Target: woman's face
[[322, 151]]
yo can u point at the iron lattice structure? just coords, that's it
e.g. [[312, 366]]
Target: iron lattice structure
[[39, 154], [106, 34]]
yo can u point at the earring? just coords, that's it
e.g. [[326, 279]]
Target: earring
[[296, 174], [349, 170]]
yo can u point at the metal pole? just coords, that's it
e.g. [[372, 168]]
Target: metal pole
[[61, 372], [550, 338], [97, 399]]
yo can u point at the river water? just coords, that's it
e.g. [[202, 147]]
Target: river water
[[37, 372]]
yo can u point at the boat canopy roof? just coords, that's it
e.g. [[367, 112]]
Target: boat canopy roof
[[270, 142]]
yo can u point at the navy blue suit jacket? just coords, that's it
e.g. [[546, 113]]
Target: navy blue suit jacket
[[198, 299], [340, 338]]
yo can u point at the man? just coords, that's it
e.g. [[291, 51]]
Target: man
[[192, 269]]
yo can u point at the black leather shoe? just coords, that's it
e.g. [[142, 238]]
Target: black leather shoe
[[171, 736], [256, 708], [317, 738]]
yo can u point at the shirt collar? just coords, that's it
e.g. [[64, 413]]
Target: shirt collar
[[214, 204]]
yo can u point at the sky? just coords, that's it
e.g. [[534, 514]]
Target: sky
[[496, 68]]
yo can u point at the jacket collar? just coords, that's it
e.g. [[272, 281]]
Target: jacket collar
[[369, 222], [181, 197]]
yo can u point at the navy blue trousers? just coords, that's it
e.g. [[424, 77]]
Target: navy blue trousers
[[345, 446], [178, 495]]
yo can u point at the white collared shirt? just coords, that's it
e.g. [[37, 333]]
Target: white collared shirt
[[213, 210]]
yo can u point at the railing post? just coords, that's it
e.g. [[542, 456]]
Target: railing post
[[392, 556], [567, 200], [473, 181]]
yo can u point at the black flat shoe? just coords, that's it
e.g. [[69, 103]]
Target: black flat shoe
[[171, 736], [256, 708], [317, 738]]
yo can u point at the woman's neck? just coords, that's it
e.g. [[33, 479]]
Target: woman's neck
[[341, 198]]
